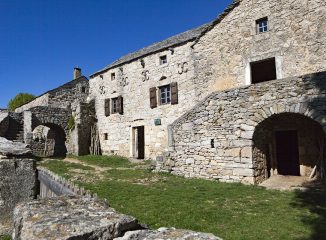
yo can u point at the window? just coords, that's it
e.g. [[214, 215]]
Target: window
[[112, 76], [107, 107], [114, 105], [163, 60], [165, 94], [106, 136], [263, 71], [262, 25], [83, 89]]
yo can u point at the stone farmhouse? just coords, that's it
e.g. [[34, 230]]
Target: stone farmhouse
[[239, 99]]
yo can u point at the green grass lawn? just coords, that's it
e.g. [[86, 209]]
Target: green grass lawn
[[5, 237], [231, 211]]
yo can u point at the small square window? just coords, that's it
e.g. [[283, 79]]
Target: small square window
[[112, 76], [163, 60], [114, 105], [106, 136], [165, 94], [262, 25]]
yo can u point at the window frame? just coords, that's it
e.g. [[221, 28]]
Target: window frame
[[114, 105], [113, 76], [166, 90], [262, 25], [163, 60]]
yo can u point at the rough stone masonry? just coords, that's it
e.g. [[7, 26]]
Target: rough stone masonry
[[17, 179]]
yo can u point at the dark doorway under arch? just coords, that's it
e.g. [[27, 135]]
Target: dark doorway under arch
[[287, 144], [49, 140]]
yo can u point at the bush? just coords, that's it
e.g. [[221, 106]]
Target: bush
[[71, 123], [19, 100]]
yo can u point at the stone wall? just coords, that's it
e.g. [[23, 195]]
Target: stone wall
[[133, 82], [42, 100], [4, 122], [17, 184], [217, 60], [65, 96], [214, 139], [296, 38]]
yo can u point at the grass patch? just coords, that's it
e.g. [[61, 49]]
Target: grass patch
[[105, 161], [231, 211], [63, 168], [5, 237]]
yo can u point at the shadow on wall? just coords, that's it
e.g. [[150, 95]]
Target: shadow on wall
[[315, 196]]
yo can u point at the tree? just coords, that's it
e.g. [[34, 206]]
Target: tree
[[19, 100]]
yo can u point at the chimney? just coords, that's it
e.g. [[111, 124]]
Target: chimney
[[77, 72]]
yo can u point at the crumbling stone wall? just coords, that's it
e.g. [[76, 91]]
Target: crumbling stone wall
[[296, 38], [17, 183], [214, 139]]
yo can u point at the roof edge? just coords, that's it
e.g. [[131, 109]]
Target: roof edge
[[219, 19], [142, 56]]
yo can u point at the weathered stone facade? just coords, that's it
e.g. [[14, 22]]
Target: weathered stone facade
[[65, 96], [217, 56], [296, 39], [52, 111], [134, 86], [215, 140]]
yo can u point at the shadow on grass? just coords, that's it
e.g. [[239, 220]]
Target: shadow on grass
[[314, 199]]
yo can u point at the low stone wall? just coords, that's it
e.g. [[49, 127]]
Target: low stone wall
[[215, 139], [17, 184]]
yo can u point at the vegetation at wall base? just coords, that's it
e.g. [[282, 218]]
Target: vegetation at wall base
[[5, 237], [230, 211], [19, 100]]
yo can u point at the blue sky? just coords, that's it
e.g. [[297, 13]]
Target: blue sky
[[41, 41]]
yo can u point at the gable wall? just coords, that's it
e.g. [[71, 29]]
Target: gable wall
[[297, 39]]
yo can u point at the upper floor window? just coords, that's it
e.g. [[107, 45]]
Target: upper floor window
[[112, 76], [262, 25], [263, 71], [165, 94], [163, 60], [83, 89], [114, 105]]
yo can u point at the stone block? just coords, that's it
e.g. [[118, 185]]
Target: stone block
[[167, 233], [70, 218]]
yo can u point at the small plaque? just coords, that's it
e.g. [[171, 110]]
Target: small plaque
[[157, 122]]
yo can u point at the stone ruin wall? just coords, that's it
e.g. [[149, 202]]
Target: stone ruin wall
[[229, 119], [296, 38], [17, 184], [134, 83]]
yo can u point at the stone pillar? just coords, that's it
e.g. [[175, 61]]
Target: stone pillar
[[28, 131]]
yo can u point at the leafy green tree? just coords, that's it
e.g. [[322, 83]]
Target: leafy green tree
[[19, 100]]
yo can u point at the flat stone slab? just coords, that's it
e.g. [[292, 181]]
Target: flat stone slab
[[70, 218], [9, 148], [167, 234]]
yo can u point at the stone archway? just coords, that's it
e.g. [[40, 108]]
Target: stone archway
[[49, 140], [288, 144]]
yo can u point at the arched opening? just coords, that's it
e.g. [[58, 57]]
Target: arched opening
[[49, 141], [288, 144]]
